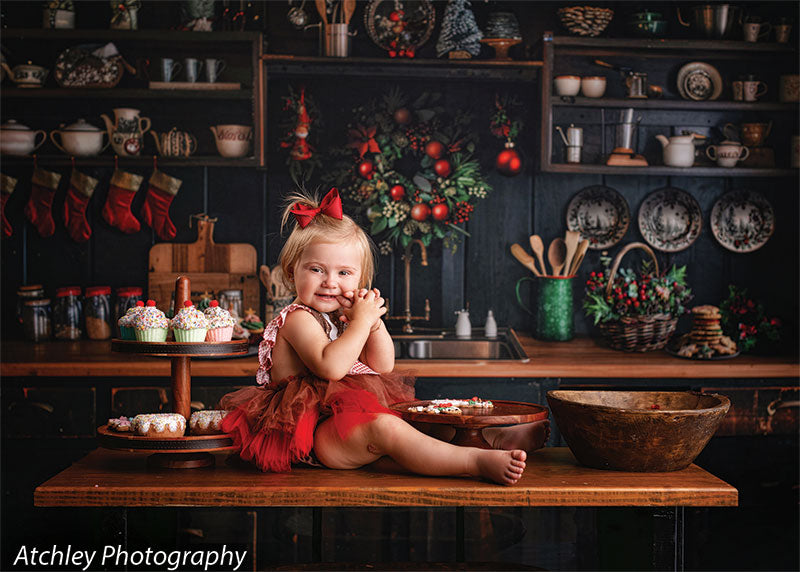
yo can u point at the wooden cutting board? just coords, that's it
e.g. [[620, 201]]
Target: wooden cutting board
[[210, 267]]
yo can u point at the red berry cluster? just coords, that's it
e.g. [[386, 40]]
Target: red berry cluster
[[462, 211], [418, 136]]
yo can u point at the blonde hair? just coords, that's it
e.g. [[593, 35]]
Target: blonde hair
[[323, 228]]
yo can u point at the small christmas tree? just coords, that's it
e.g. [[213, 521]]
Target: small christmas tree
[[460, 32]]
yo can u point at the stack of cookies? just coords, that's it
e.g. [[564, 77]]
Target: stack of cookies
[[705, 340]]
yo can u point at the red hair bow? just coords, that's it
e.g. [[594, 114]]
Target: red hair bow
[[331, 205]]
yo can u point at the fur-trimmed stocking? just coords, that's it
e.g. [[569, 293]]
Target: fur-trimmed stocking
[[81, 189], [7, 186], [117, 210], [39, 208], [155, 211]]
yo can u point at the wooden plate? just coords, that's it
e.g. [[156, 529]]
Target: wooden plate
[[127, 441], [181, 349], [503, 413]]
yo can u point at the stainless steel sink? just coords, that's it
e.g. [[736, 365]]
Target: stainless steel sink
[[445, 345]]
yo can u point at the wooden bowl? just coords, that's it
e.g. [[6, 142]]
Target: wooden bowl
[[642, 431]]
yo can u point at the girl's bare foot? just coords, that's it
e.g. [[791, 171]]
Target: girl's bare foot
[[526, 436], [503, 467]]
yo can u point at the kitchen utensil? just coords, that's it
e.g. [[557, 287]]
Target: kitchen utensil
[[727, 153], [348, 7], [580, 253], [715, 21], [671, 428], [297, 16], [321, 10], [337, 40], [636, 82], [670, 219], [556, 255], [524, 258], [571, 241], [80, 139], [538, 249], [553, 307], [600, 214], [210, 266]]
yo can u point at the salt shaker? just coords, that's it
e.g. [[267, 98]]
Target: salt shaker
[[463, 326], [490, 329]]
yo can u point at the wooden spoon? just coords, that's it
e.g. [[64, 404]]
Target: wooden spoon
[[348, 7], [583, 246], [538, 249], [571, 240], [524, 258], [321, 9], [556, 253]]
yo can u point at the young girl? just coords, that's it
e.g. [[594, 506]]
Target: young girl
[[325, 381]]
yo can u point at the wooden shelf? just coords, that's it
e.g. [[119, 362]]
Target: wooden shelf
[[683, 104], [104, 34], [659, 170], [640, 45], [109, 161], [124, 93]]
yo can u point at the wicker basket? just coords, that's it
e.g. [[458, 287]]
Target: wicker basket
[[585, 20], [77, 67], [637, 333]]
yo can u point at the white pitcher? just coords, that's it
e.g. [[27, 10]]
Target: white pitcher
[[126, 131]]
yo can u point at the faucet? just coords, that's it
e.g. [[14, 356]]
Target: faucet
[[406, 315]]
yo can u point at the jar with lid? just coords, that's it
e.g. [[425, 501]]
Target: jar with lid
[[68, 313], [36, 319], [127, 296], [26, 293], [98, 312]]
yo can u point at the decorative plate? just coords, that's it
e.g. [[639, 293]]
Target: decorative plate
[[742, 221], [396, 25], [699, 81], [600, 214], [670, 219]]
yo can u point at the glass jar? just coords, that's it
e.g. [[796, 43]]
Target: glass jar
[[127, 296], [36, 320], [68, 313], [25, 293], [98, 312]]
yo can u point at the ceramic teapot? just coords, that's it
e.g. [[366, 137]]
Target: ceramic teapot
[[26, 75], [80, 139], [18, 139], [678, 149], [126, 131], [175, 143]]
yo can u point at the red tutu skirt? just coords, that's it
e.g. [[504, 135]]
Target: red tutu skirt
[[273, 426]]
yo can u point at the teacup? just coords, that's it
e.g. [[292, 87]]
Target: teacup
[[727, 153], [593, 86], [567, 85], [233, 140], [753, 89]]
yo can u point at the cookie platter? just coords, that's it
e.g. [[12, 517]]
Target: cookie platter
[[127, 441], [181, 349]]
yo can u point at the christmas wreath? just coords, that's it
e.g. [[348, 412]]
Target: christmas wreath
[[409, 168]]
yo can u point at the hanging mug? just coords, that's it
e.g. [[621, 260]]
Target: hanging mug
[[553, 307]]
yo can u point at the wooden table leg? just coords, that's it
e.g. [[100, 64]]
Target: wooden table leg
[[469, 437], [668, 538]]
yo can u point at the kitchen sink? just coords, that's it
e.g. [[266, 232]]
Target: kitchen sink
[[444, 344]]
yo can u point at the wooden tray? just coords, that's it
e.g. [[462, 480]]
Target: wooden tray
[[181, 349]]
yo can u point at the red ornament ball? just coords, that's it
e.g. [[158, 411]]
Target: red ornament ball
[[440, 211], [365, 169], [434, 149], [402, 115], [397, 192], [508, 162], [420, 212], [442, 167], [396, 15]]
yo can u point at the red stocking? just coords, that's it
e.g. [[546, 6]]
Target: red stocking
[[155, 210], [117, 210], [7, 185], [39, 208], [81, 188]]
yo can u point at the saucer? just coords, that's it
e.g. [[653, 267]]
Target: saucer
[[699, 81]]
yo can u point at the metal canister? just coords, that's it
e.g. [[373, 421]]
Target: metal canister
[[574, 144], [231, 300]]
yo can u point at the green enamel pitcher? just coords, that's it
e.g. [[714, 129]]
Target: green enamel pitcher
[[553, 307]]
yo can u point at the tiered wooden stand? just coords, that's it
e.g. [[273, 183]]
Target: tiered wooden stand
[[190, 451]]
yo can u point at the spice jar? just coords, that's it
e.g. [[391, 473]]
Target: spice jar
[[98, 312], [68, 313], [127, 296], [25, 293], [36, 319]]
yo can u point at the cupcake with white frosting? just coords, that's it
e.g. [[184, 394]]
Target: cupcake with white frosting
[[189, 324], [150, 324], [220, 323], [125, 323]]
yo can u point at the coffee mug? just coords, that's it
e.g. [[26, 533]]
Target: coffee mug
[[782, 33], [737, 87], [193, 67], [214, 67], [752, 31], [727, 153], [553, 307], [755, 134], [169, 69], [789, 88], [568, 85], [753, 90], [232, 140]]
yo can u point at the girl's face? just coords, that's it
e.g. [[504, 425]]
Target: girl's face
[[326, 270]]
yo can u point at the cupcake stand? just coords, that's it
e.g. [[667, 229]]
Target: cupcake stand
[[190, 451]]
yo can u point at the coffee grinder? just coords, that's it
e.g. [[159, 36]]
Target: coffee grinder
[[623, 154]]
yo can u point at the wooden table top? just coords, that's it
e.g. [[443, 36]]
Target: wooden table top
[[579, 358], [552, 478]]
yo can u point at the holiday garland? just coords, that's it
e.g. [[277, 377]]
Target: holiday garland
[[408, 168]]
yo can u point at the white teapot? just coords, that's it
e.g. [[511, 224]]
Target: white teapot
[[26, 75], [80, 139], [679, 149], [18, 139]]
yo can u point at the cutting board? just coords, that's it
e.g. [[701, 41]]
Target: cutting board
[[210, 267]]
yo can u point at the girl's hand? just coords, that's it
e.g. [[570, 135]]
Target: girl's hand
[[368, 307], [346, 301]]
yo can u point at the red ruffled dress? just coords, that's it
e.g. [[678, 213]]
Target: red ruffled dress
[[273, 423]]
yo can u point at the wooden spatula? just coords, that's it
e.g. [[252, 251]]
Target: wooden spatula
[[583, 246], [524, 258], [348, 7], [571, 240], [321, 9]]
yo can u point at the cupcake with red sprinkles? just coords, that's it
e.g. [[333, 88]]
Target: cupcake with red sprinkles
[[189, 324], [125, 323], [150, 324], [220, 323]]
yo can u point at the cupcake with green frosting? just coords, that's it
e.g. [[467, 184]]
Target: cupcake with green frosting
[[220, 323], [125, 323], [189, 324], [150, 324]]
